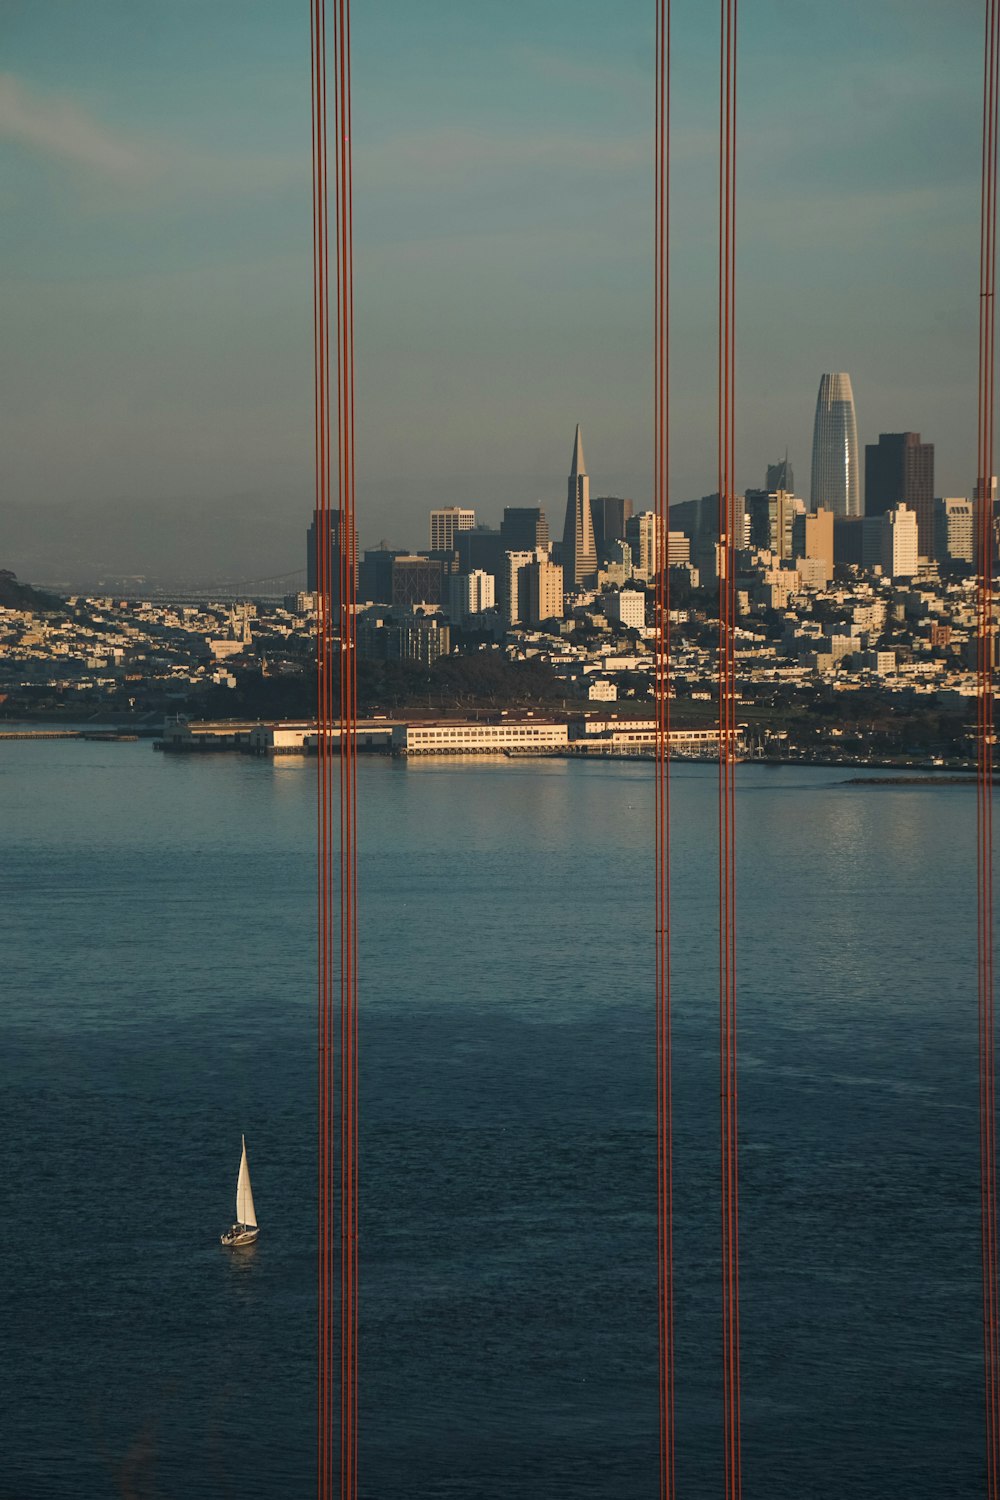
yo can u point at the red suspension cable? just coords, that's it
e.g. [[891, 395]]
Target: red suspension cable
[[336, 566], [348, 1162], [986, 641], [661, 429], [324, 798], [727, 755]]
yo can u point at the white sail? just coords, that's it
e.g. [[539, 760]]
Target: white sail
[[245, 1211]]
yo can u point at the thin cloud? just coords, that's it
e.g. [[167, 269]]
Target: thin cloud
[[57, 126]]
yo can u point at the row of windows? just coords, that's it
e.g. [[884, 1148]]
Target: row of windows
[[418, 736]]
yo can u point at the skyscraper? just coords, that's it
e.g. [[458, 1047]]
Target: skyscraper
[[375, 574], [955, 530], [610, 514], [579, 556], [835, 449], [480, 548], [779, 476], [336, 539], [415, 580], [446, 522], [523, 528], [899, 469], [771, 515]]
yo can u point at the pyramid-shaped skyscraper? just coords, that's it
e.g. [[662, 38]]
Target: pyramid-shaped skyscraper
[[579, 552]]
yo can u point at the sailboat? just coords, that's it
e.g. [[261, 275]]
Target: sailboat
[[245, 1230]]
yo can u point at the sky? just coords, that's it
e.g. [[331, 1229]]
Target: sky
[[155, 245]]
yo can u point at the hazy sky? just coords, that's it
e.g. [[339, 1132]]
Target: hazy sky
[[155, 232]]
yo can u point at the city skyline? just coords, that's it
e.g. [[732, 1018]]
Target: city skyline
[[519, 525], [502, 239]]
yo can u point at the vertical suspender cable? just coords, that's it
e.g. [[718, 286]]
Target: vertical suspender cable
[[661, 429], [727, 755], [348, 1154], [336, 566], [324, 729], [986, 642]]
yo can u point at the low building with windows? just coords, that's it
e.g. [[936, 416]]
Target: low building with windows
[[506, 736]]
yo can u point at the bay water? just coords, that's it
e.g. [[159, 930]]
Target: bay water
[[157, 934]]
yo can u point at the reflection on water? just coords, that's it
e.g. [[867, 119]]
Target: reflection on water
[[242, 1261]]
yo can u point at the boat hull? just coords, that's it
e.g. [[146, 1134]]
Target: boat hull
[[240, 1234]]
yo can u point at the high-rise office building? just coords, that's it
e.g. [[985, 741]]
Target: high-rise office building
[[771, 516], [899, 470], [523, 528], [446, 523], [835, 449], [335, 549], [579, 555], [857, 541], [610, 515], [415, 580], [779, 476], [375, 574], [480, 548], [955, 531]]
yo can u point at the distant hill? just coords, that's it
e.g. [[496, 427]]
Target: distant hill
[[102, 545], [128, 544], [14, 595]]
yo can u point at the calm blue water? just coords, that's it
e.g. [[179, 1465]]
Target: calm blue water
[[156, 933]]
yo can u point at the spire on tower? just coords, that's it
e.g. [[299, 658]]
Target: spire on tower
[[579, 467]]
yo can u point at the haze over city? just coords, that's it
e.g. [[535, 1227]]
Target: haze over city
[[157, 406]]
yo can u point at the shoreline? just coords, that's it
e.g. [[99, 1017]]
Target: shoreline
[[909, 772]]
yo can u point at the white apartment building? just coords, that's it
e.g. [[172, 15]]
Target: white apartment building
[[642, 532], [470, 594], [514, 601], [899, 542], [626, 607]]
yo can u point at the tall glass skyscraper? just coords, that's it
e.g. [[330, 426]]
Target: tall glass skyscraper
[[835, 449]]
